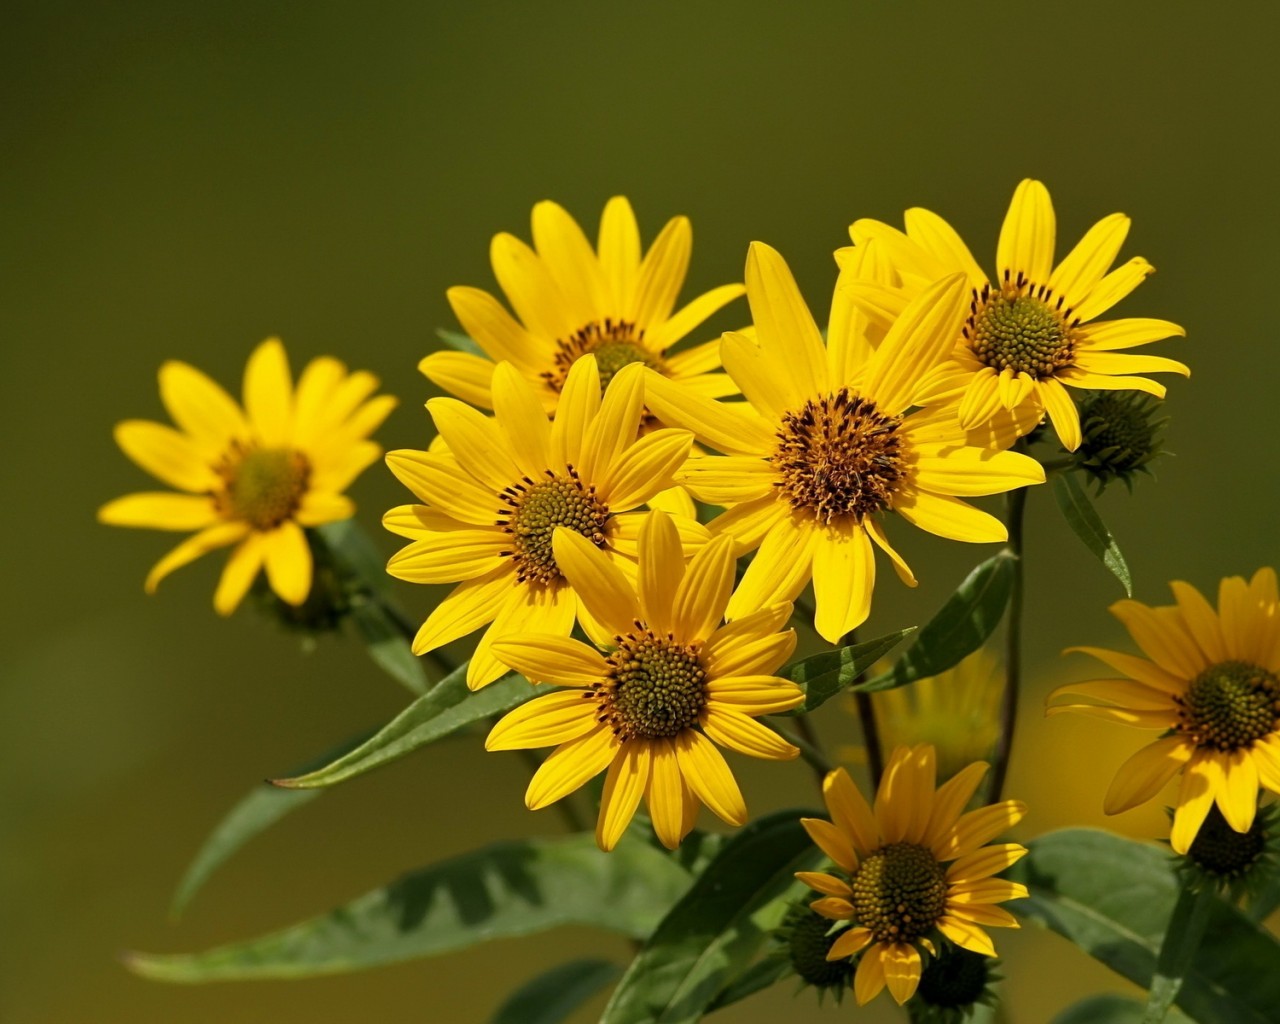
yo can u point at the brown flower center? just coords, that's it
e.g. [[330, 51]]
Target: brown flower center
[[654, 688], [262, 486], [1230, 705], [614, 343], [534, 510], [899, 892], [840, 456], [1021, 327]]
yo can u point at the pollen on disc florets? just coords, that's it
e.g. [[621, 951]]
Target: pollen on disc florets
[[1222, 852], [1230, 705], [840, 456], [653, 688], [262, 486], [536, 507], [1021, 327], [899, 892], [614, 343]]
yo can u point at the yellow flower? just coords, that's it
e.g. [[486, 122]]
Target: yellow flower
[[495, 495], [895, 890], [957, 712], [253, 477], [1212, 685], [572, 300], [1027, 332], [670, 681], [824, 446]]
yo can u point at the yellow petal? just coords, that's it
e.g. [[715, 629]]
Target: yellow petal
[[1113, 363], [828, 885], [986, 916], [1062, 411], [703, 592], [318, 507], [1027, 236], [972, 472], [745, 654], [440, 481], [1238, 799], [625, 784], [982, 864], [598, 582], [788, 335], [1114, 287], [1124, 693], [849, 943], [619, 251], [544, 721], [316, 386], [1084, 266], [713, 423], [919, 340], [1162, 635], [1077, 378], [201, 407], [1144, 774], [1137, 668], [661, 569], [1202, 780], [450, 557], [876, 532], [850, 810], [706, 773], [1136, 719], [645, 468], [833, 842], [762, 623], [665, 794], [577, 409], [662, 272], [950, 801], [545, 658], [523, 425], [189, 550], [268, 393], [161, 510], [659, 336], [530, 288], [966, 934], [901, 971], [978, 827], [467, 607], [167, 455], [779, 570], [476, 442], [739, 732], [238, 574], [522, 611], [288, 562], [950, 517], [869, 979], [614, 429], [981, 399], [461, 374], [754, 695], [494, 329], [833, 908], [759, 377], [940, 240], [749, 523], [569, 258], [335, 471], [844, 574], [570, 765], [1108, 335]]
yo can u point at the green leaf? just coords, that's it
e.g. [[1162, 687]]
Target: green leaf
[[1109, 1009], [388, 645], [824, 675], [261, 808], [461, 342], [553, 995], [717, 928], [504, 890], [1181, 941], [960, 627], [449, 706], [356, 554], [756, 978], [1083, 518], [1114, 897], [1266, 899]]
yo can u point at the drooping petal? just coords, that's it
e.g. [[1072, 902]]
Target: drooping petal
[[844, 575], [625, 784], [238, 574], [570, 765], [779, 570], [288, 561], [665, 794], [1238, 798], [950, 517], [1147, 772], [1202, 780], [209, 539], [1062, 411], [705, 772], [869, 979]]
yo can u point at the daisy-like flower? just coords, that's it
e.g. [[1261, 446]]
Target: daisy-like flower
[[252, 477], [494, 497], [665, 684], [1028, 329], [895, 886], [572, 300], [825, 446], [1210, 683]]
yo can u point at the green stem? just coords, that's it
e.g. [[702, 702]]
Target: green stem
[[815, 758], [440, 665], [867, 719], [810, 736], [1181, 940], [1016, 506]]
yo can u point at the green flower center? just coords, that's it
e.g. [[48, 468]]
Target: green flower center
[[1230, 705], [808, 944], [654, 688], [264, 486], [955, 980], [899, 892], [614, 343], [1222, 851], [839, 456], [1119, 432], [535, 509], [1021, 328]]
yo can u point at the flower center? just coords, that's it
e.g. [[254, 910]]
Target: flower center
[[899, 892], [1021, 327], [839, 456], [1222, 851], [534, 510], [1230, 705], [263, 486], [614, 343], [654, 688]]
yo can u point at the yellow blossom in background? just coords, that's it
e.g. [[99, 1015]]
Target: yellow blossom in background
[[252, 477], [571, 300], [664, 684], [495, 495], [895, 889], [957, 712], [1212, 682], [825, 445], [1028, 330]]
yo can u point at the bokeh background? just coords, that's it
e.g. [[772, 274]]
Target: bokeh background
[[181, 180]]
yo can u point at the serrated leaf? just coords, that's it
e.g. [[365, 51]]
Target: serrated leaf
[[257, 811], [1085, 522], [449, 706], [960, 627], [825, 675], [461, 342], [555, 994], [501, 891], [717, 927], [1114, 897]]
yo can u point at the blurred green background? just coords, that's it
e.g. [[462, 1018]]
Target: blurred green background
[[182, 180]]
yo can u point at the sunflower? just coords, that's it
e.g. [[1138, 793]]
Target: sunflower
[[894, 888], [824, 446], [1211, 684], [494, 497], [1027, 332], [252, 477], [664, 684], [572, 300]]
